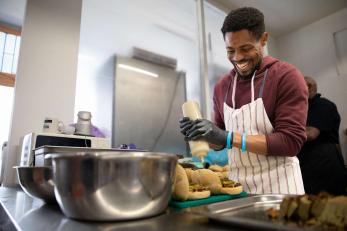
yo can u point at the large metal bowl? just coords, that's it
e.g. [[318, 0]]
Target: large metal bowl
[[37, 182], [110, 186]]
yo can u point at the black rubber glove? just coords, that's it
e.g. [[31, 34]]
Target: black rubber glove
[[205, 130], [185, 125]]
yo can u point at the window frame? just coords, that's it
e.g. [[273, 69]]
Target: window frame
[[7, 79]]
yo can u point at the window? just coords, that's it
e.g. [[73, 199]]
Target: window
[[6, 100], [9, 50]]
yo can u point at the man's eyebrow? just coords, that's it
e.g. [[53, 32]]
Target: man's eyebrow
[[246, 45], [242, 46]]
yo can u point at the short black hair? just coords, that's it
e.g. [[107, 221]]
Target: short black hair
[[248, 18]]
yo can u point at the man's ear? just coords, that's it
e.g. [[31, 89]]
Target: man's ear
[[263, 39]]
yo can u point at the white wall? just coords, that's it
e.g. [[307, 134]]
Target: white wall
[[312, 50], [214, 19], [271, 47], [110, 28], [217, 61], [46, 74]]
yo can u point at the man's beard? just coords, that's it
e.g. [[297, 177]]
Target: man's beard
[[256, 67]]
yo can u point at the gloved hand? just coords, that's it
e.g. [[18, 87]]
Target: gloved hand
[[185, 125], [205, 130]]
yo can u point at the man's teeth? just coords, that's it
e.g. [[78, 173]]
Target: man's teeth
[[242, 65]]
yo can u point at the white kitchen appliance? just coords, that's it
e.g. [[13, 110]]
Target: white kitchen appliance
[[84, 124], [34, 140]]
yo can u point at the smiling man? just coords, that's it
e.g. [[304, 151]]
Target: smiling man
[[260, 111]]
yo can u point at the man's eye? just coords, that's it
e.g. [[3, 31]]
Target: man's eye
[[231, 52], [246, 49]]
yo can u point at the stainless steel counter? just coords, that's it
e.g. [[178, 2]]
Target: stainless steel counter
[[21, 212]]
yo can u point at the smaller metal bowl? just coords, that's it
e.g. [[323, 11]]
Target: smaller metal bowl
[[37, 182]]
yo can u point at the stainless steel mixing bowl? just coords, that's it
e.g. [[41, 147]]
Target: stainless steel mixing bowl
[[37, 182], [113, 185]]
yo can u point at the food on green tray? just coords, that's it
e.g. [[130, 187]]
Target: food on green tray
[[197, 188], [222, 172], [183, 190], [216, 184], [229, 183]]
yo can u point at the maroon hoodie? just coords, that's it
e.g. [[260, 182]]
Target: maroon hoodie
[[285, 98]]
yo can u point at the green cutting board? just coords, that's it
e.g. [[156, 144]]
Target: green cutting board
[[209, 200]]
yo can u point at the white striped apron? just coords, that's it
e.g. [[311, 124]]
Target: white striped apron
[[259, 174]]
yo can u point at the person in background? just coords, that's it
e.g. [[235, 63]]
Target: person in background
[[260, 111], [321, 161]]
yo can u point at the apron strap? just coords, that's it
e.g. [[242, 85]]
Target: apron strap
[[234, 89], [252, 88], [227, 94], [262, 85]]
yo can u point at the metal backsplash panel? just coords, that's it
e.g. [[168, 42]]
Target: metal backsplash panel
[[147, 106]]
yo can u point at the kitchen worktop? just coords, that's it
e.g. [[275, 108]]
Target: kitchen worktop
[[18, 211]]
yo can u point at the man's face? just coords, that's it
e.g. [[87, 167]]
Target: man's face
[[244, 51]]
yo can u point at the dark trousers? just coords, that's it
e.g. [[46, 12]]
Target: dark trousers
[[323, 169]]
